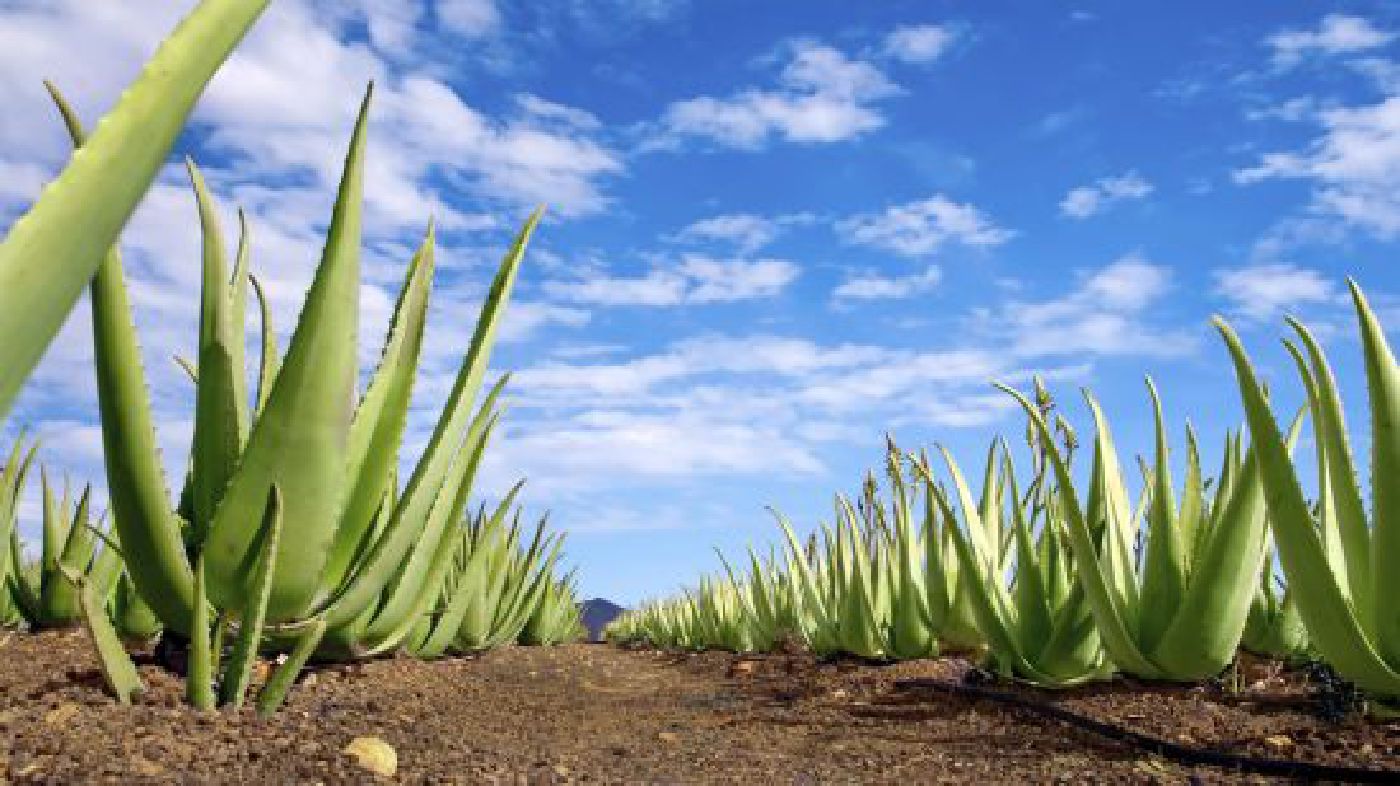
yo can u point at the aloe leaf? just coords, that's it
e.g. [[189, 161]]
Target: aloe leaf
[[428, 474], [1383, 385], [415, 578], [1190, 516], [1328, 525], [1331, 619], [220, 419], [250, 628], [12, 479], [132, 616], [1032, 598], [199, 679], [1114, 520], [151, 535], [1163, 574], [299, 440], [53, 528], [274, 693], [377, 430], [117, 666], [1342, 490], [51, 253], [106, 568], [268, 361], [237, 326]]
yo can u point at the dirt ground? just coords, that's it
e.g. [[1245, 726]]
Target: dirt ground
[[596, 714]]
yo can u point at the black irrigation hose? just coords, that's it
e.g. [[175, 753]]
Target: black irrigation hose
[[1181, 754]]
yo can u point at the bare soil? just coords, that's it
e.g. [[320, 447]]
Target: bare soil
[[597, 714]]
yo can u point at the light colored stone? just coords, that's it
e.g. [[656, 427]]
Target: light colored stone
[[61, 714], [375, 755]]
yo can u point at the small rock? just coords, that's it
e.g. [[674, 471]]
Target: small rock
[[669, 736], [146, 768], [561, 770], [1278, 741], [375, 755], [61, 714], [743, 667], [309, 680]]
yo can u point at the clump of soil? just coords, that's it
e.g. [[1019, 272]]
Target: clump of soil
[[595, 714]]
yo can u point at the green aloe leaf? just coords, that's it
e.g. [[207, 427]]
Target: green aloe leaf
[[154, 544], [1164, 571], [377, 429], [250, 627], [220, 419], [299, 442], [50, 254]]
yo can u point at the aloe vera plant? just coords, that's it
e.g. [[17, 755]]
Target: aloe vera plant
[[1179, 613], [13, 474], [497, 583], [1040, 629], [556, 618], [335, 462], [50, 254], [71, 542], [1274, 628], [1339, 564], [132, 618], [356, 560]]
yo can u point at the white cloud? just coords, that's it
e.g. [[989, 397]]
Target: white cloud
[[549, 111], [697, 279], [1086, 201], [1335, 34], [822, 96], [1354, 167], [920, 228], [918, 43], [1291, 110], [1262, 292], [872, 286], [748, 232], [468, 18], [1104, 315]]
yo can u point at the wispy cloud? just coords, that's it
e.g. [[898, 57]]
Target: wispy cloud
[[695, 280], [746, 232], [919, 228], [1335, 34], [1090, 200], [1354, 166], [1262, 292], [919, 43], [873, 286], [1107, 314], [822, 95]]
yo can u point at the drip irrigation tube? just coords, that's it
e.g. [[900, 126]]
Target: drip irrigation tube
[[1180, 754]]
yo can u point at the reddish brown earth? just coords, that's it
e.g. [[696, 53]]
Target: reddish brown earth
[[594, 714]]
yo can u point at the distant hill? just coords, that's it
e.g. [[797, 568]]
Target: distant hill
[[597, 613]]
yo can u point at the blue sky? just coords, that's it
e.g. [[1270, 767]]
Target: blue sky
[[777, 230]]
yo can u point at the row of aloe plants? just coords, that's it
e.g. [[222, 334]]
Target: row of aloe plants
[[291, 531], [1058, 576]]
